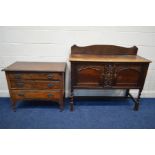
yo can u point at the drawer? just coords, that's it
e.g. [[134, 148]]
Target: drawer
[[35, 84], [47, 95], [34, 76]]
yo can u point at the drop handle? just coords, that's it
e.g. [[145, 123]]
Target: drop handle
[[49, 76], [21, 94], [20, 84], [50, 85], [17, 76], [50, 95]]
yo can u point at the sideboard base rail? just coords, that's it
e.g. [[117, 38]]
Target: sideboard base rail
[[127, 95]]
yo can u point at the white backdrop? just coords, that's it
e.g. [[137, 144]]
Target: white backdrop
[[53, 44]]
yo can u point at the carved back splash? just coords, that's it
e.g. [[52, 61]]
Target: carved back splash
[[104, 50]]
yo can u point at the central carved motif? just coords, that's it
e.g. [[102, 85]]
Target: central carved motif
[[108, 75]]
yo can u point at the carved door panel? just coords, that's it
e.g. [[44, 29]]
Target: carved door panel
[[127, 75], [88, 75]]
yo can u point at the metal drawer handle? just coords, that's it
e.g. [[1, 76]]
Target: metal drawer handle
[[21, 94], [17, 76], [49, 76], [50, 85], [21, 84], [50, 95]]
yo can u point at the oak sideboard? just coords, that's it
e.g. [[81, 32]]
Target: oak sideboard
[[107, 67]]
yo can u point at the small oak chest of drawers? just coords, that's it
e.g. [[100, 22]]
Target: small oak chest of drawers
[[36, 81]]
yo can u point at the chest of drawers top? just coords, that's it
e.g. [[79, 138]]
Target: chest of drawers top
[[37, 67]]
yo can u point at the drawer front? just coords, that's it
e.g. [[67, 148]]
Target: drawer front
[[35, 76], [35, 84], [47, 95]]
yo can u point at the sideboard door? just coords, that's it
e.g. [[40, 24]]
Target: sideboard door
[[128, 75], [87, 75]]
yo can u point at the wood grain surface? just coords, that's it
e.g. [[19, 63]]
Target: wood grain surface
[[37, 66]]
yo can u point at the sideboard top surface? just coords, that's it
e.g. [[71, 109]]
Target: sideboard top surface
[[37, 66], [108, 58], [106, 53]]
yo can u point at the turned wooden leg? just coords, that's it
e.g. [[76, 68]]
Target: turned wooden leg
[[138, 100], [13, 104], [61, 104], [72, 101], [127, 93]]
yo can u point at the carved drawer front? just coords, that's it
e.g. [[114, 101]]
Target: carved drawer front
[[48, 95], [128, 75], [88, 75], [35, 76], [35, 84]]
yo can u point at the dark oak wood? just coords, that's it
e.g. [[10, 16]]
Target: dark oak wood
[[35, 94], [36, 81], [104, 49], [34, 76], [107, 58], [37, 66], [107, 67], [35, 84]]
